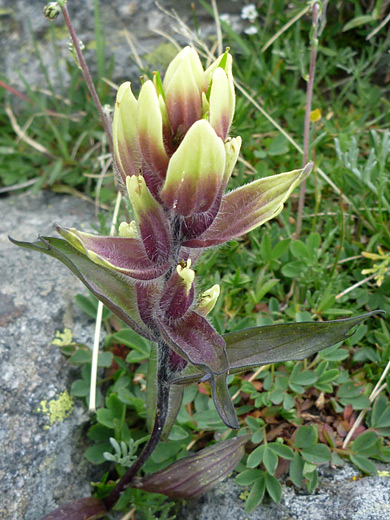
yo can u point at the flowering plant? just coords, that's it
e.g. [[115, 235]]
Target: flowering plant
[[173, 159]]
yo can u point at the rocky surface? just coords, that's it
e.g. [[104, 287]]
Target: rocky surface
[[342, 495], [42, 432], [22, 22]]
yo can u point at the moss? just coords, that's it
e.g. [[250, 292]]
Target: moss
[[57, 409]]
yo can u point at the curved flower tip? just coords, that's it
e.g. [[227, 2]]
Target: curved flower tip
[[127, 153], [183, 85], [207, 300], [150, 129], [195, 172]]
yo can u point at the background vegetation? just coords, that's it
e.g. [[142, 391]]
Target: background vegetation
[[299, 414]]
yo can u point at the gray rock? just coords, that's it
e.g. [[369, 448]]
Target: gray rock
[[343, 494], [41, 452], [22, 23]]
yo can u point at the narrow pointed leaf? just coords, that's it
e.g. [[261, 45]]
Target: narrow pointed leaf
[[82, 509], [190, 477], [250, 206], [114, 290], [250, 348], [194, 339], [175, 399], [285, 342], [223, 401]]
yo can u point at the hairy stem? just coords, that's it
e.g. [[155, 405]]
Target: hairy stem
[[309, 95], [87, 76], [161, 414]]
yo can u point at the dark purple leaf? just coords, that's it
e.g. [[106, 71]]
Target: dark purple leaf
[[194, 339], [81, 509], [125, 255], [250, 206], [115, 291], [190, 477]]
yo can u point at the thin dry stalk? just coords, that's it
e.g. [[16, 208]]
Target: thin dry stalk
[[309, 95], [22, 136], [98, 324], [380, 26], [358, 284]]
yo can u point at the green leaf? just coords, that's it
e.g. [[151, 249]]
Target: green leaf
[[296, 470], [248, 476], [364, 442], [270, 460], [364, 464], [105, 359], [282, 450], [255, 457], [305, 378], [306, 436], [105, 417], [358, 21], [190, 477], [274, 488], [80, 388], [256, 495], [94, 454], [80, 357], [316, 454], [380, 417], [299, 250]]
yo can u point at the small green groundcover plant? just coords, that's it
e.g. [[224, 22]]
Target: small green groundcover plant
[[173, 158]]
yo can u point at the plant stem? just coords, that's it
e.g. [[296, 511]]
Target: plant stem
[[161, 414], [87, 76], [309, 95]]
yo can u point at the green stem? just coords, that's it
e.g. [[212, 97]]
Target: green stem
[[309, 95]]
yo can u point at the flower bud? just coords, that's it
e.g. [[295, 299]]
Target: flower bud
[[151, 219], [52, 10], [150, 129], [219, 115], [179, 292], [207, 300], [128, 158], [226, 90], [195, 171], [183, 84]]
